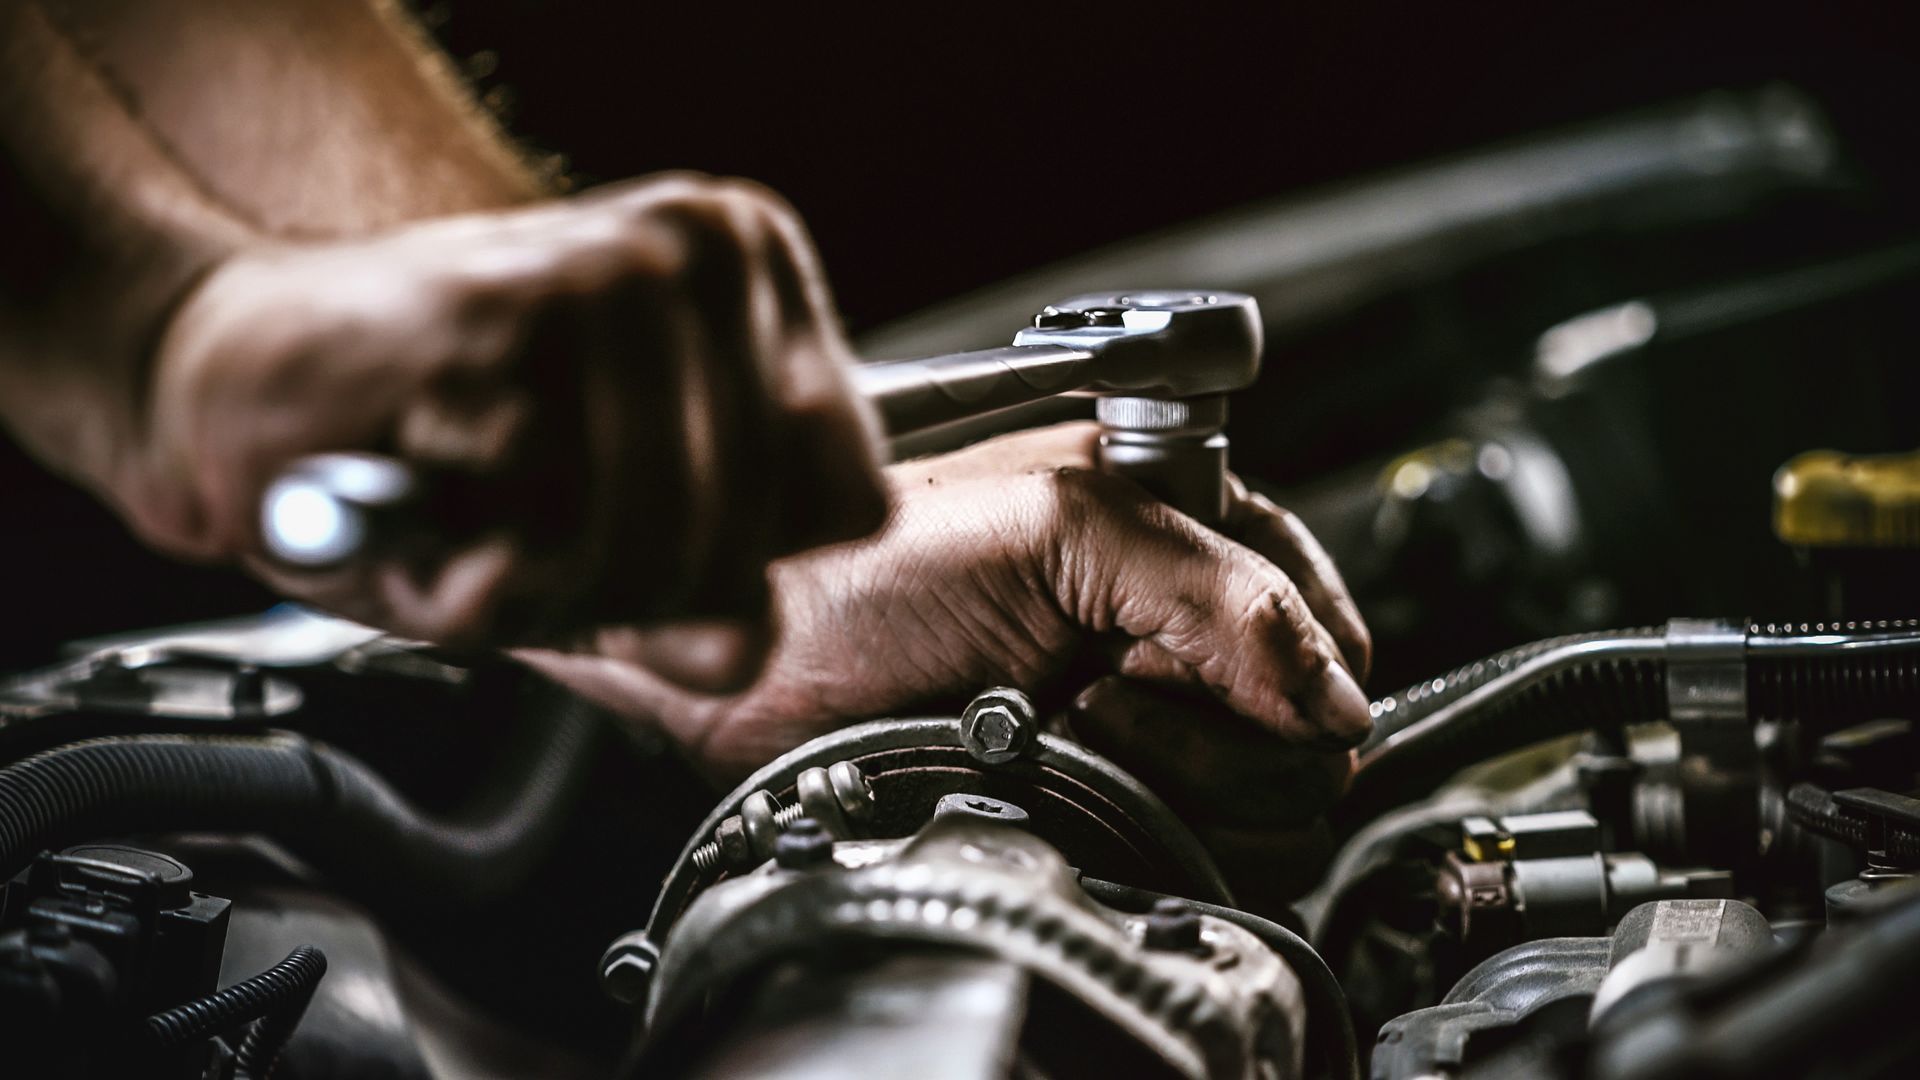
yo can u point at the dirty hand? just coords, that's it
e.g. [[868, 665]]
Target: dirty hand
[[640, 391], [1222, 671]]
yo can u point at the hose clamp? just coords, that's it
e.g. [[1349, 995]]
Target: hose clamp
[[1706, 672], [1719, 757]]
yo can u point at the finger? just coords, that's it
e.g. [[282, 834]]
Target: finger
[[834, 489], [1282, 537], [1203, 759], [1201, 610]]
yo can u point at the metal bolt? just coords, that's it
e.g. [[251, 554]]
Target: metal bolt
[[980, 808], [803, 846], [741, 841], [1172, 926], [626, 970], [998, 725]]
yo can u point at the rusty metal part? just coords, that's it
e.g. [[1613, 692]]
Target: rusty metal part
[[1104, 820], [1220, 1004]]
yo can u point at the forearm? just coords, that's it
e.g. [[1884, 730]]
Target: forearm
[[146, 141]]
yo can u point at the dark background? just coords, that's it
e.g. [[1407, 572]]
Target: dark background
[[939, 148]]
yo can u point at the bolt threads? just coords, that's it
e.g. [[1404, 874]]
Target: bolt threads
[[851, 798]]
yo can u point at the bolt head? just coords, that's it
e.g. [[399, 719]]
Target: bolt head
[[804, 845], [1172, 926], [998, 726], [626, 976]]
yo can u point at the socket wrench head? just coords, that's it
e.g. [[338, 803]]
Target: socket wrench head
[[1171, 343]]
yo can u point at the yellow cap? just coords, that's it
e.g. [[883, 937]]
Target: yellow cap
[[1824, 498]]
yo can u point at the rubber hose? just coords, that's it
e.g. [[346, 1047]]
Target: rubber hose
[[1329, 1023], [1396, 712], [287, 985], [1817, 678], [1600, 693], [1812, 808], [324, 805], [1841, 687], [259, 1053]]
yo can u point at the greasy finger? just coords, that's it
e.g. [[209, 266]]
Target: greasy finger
[[1278, 534], [1201, 610]]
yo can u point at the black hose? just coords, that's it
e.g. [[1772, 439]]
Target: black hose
[[1329, 1023], [276, 998], [1397, 712], [1603, 691], [1832, 675], [259, 1053], [1841, 687], [325, 805]]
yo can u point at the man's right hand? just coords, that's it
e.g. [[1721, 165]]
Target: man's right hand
[[645, 382]]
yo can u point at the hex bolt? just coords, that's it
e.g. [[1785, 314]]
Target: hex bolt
[[998, 726], [626, 969], [805, 845], [837, 798], [1172, 926]]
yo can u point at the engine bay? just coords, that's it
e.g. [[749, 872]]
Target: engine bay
[[1633, 511]]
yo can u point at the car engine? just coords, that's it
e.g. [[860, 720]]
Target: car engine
[[1634, 512]]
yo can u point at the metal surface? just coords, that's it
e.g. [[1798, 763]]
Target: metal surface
[[1176, 449], [914, 395], [327, 509], [150, 683], [1719, 773], [1677, 939], [1548, 988], [837, 797], [925, 1016], [323, 509], [1226, 1006], [998, 725], [1094, 809]]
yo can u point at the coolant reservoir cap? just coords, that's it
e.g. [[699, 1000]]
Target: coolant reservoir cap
[[1827, 499]]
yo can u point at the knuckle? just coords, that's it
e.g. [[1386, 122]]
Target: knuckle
[[741, 211]]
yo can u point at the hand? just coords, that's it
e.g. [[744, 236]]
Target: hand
[[639, 392], [1015, 562]]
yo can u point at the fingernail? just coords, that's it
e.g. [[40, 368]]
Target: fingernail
[[1339, 710]]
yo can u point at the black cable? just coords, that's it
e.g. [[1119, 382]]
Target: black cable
[[276, 998], [325, 805], [1329, 1023], [259, 1053]]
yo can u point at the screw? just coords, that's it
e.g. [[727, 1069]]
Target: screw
[[626, 971], [1172, 926], [803, 846], [961, 804], [998, 725], [752, 836]]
